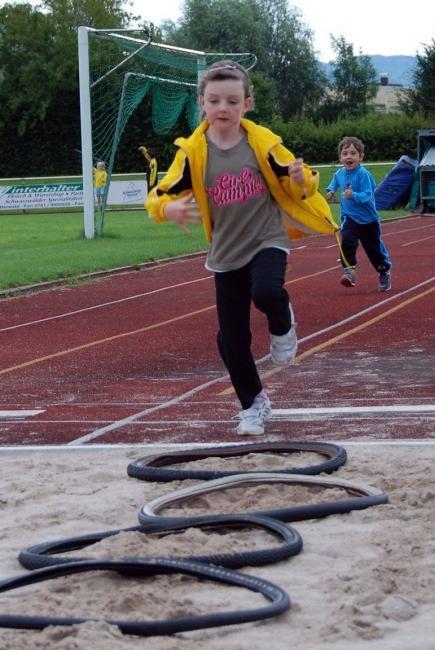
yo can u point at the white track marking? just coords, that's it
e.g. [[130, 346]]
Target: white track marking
[[128, 420], [333, 411], [20, 414], [104, 304], [384, 234], [104, 273], [277, 414], [400, 232], [153, 448], [417, 241], [184, 396], [349, 319], [181, 398], [155, 291]]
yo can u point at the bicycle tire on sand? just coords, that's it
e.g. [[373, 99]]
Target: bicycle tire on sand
[[279, 600], [367, 496], [290, 544], [153, 467]]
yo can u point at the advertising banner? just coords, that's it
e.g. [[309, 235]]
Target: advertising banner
[[67, 195], [127, 193], [47, 195]]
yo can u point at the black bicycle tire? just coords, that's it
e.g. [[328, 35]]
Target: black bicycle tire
[[277, 596], [47, 553], [152, 522], [149, 468]]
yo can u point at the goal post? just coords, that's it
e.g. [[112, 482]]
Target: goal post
[[117, 70], [86, 133]]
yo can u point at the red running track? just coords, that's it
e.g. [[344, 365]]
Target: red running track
[[131, 358]]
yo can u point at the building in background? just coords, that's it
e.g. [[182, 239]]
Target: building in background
[[387, 96]]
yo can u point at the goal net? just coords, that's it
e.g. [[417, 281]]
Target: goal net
[[117, 70]]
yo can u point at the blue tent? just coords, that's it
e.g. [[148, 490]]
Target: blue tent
[[394, 190]]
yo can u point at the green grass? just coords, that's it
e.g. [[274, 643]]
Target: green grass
[[36, 248], [42, 247]]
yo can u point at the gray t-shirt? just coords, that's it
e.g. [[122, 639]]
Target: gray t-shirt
[[245, 216]]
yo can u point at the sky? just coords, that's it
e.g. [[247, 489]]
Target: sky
[[378, 27]]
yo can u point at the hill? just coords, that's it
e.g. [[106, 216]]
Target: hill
[[398, 67]]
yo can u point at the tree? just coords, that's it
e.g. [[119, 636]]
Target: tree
[[39, 105], [269, 29], [28, 75], [353, 85], [421, 97], [291, 60], [265, 108], [218, 26]]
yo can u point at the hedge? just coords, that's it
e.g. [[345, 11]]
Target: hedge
[[385, 136]]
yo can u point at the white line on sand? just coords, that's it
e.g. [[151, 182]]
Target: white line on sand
[[147, 447]]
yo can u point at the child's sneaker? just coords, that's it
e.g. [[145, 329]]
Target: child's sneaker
[[283, 348], [384, 281], [252, 419], [348, 278]]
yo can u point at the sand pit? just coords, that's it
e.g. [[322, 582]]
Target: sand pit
[[363, 580]]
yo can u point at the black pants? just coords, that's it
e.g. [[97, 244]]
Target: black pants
[[262, 282], [369, 234]]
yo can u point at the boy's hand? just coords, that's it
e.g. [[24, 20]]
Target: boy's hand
[[348, 192], [183, 211], [296, 171], [330, 196]]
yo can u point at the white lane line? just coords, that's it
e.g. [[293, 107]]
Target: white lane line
[[417, 241], [333, 411], [104, 304], [358, 314], [384, 234], [148, 293], [181, 398], [400, 232], [128, 420], [20, 414], [146, 448], [277, 414]]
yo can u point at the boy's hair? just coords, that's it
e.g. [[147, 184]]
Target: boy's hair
[[226, 69], [348, 140], [101, 164]]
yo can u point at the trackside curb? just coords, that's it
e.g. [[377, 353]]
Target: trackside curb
[[50, 284]]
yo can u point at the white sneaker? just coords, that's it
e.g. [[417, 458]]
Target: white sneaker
[[348, 279], [252, 419], [283, 348]]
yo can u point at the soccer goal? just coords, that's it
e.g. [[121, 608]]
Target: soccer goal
[[117, 70]]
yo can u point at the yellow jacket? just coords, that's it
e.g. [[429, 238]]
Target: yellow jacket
[[152, 168], [306, 211], [100, 177]]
